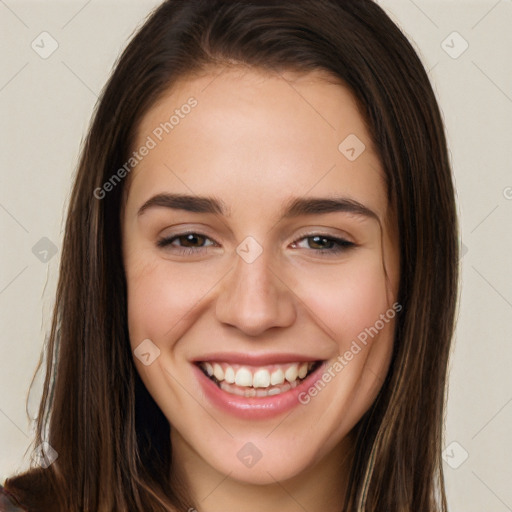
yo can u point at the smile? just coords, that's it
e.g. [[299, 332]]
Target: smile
[[253, 387], [251, 381]]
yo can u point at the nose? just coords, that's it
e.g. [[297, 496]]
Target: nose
[[253, 298]]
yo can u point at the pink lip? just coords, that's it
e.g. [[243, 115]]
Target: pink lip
[[255, 408], [256, 359]]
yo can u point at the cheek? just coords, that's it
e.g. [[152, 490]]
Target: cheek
[[348, 298], [350, 302], [162, 297]]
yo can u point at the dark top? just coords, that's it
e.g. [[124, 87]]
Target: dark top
[[8, 503]]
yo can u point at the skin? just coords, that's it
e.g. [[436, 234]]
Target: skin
[[254, 141]]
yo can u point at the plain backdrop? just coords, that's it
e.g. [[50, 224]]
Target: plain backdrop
[[46, 102]]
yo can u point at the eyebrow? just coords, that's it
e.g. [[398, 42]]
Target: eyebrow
[[184, 202], [294, 208], [318, 206]]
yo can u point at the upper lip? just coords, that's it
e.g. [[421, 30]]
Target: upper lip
[[255, 359]]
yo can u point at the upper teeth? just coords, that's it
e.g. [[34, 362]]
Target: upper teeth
[[257, 377]]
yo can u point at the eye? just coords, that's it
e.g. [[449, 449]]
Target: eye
[[193, 243], [188, 242], [323, 244]]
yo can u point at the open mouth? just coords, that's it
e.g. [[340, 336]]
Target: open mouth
[[262, 381]]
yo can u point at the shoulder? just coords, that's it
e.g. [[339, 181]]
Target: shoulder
[[9, 503]]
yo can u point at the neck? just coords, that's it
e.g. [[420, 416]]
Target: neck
[[321, 487]]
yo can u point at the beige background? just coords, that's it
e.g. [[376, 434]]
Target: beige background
[[46, 105]]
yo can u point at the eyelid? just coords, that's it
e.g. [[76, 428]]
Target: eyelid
[[323, 232]]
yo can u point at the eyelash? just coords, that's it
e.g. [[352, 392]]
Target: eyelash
[[341, 244]]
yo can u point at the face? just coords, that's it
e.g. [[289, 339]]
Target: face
[[262, 270]]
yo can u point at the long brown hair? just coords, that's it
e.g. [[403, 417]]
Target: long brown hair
[[112, 440]]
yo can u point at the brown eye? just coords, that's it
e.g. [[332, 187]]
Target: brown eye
[[187, 241], [191, 240], [322, 244]]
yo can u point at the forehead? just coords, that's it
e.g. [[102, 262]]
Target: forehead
[[254, 133]]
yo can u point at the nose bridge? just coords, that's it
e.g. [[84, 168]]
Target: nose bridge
[[257, 281], [254, 298]]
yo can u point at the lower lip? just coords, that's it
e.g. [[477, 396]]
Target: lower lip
[[253, 408]]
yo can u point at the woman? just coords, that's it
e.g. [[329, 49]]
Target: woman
[[259, 273]]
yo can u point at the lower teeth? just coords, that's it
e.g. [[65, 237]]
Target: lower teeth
[[250, 392]]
